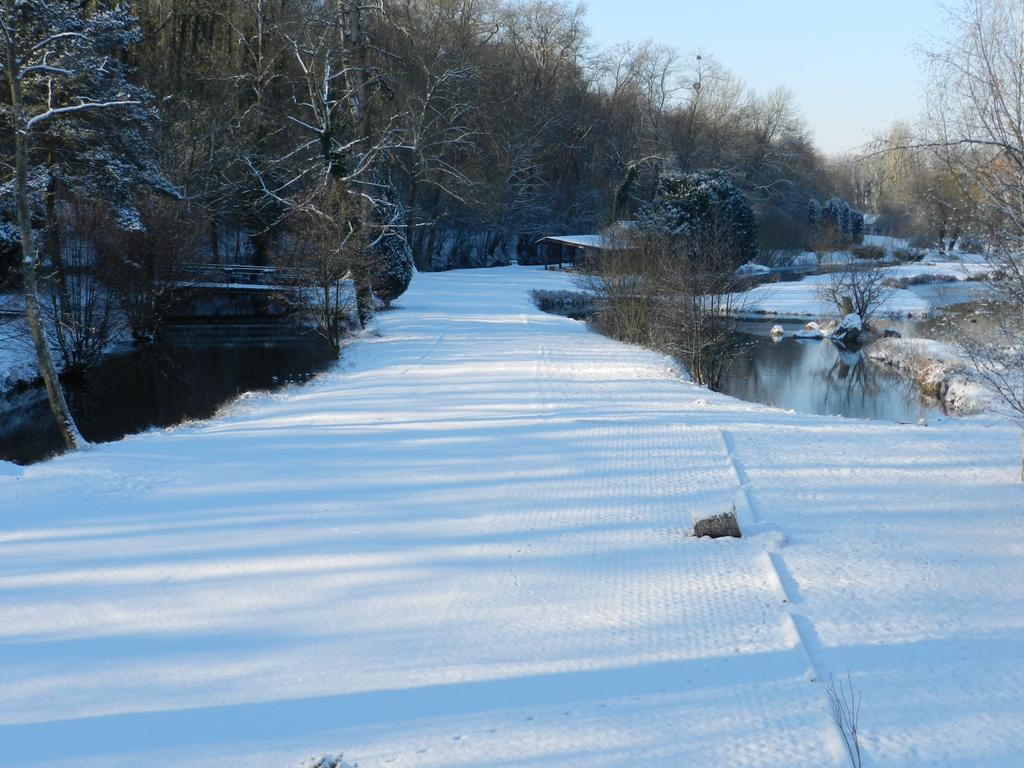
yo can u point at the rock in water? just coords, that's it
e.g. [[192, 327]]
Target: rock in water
[[810, 331], [849, 329]]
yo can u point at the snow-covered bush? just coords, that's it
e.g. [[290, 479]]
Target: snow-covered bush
[[703, 205], [869, 252], [390, 268]]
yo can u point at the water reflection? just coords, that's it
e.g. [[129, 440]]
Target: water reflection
[[818, 377], [156, 387]]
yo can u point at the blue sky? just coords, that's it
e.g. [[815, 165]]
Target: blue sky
[[853, 66]]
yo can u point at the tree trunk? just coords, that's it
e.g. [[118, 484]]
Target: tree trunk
[[622, 194], [61, 298], [58, 404], [214, 239], [410, 223], [356, 68]]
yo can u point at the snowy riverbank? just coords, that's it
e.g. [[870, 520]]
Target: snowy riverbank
[[938, 369], [801, 299], [466, 545]]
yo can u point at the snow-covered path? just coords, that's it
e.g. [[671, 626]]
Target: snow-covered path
[[466, 546]]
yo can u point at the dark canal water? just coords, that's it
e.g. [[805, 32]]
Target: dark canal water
[[157, 386], [816, 376]]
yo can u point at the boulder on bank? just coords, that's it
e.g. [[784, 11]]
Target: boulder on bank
[[718, 526]]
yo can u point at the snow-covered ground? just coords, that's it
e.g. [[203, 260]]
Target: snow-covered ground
[[802, 299], [466, 546]]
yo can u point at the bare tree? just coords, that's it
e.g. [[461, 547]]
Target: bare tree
[[47, 45], [677, 295], [859, 288], [319, 258], [622, 276], [151, 269], [340, 146], [439, 46], [79, 303], [975, 122], [700, 299], [844, 706]]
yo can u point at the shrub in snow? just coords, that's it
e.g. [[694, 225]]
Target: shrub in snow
[[844, 706], [924, 278], [390, 268], [701, 205], [869, 252]]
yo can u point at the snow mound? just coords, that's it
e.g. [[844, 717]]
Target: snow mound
[[810, 331], [852, 322], [750, 269]]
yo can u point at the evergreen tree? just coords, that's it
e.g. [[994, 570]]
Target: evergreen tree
[[691, 206], [857, 227], [831, 214], [845, 220], [391, 267], [814, 214]]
